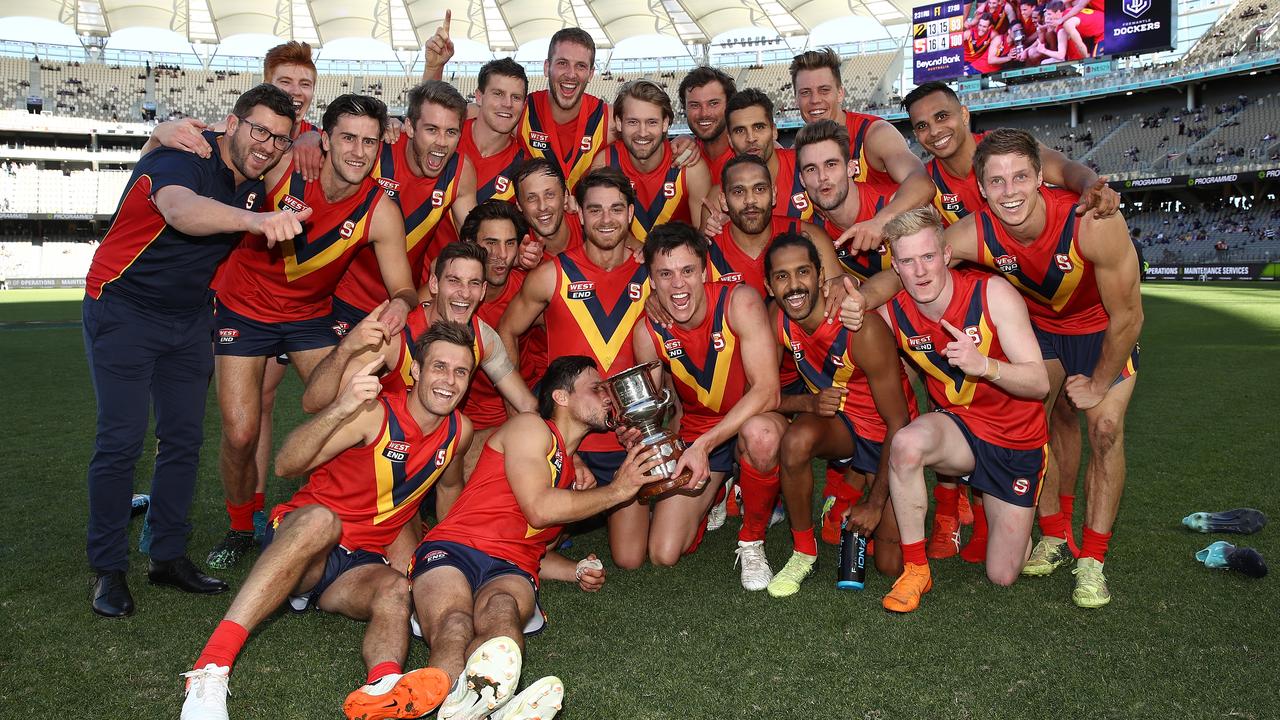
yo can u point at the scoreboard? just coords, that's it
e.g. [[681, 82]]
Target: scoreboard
[[937, 49]]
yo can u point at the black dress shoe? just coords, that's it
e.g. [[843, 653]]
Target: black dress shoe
[[181, 573], [111, 596]]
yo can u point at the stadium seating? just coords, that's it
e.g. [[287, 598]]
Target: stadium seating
[[1191, 234]]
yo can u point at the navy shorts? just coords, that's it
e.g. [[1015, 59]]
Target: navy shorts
[[240, 336], [345, 316], [478, 567], [796, 387], [1079, 353], [603, 464], [1010, 475], [723, 456], [338, 561], [866, 453]]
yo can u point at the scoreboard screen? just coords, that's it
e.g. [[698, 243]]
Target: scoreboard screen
[[937, 50]]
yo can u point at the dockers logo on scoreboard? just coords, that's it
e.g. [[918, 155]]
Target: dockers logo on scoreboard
[[920, 343], [289, 202], [539, 140], [582, 290], [674, 348], [1007, 263], [396, 451], [1136, 8]]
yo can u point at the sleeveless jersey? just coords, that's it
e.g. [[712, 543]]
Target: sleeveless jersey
[[862, 265], [541, 137], [859, 126], [990, 413], [716, 164], [975, 51], [296, 279], [790, 199], [1092, 26], [592, 313], [483, 403], [1051, 273], [415, 325], [376, 488], [705, 363], [495, 174], [727, 262], [1000, 20], [488, 518], [661, 195], [824, 361], [956, 197]]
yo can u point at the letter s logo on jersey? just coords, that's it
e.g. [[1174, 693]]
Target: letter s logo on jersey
[[635, 291], [348, 228], [800, 201], [717, 341], [250, 201], [441, 456], [396, 451], [1021, 486], [437, 198], [1063, 261], [585, 144], [668, 190], [500, 184]]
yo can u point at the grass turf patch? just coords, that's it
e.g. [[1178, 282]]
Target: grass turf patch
[[688, 642]]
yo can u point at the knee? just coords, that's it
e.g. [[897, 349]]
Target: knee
[[317, 523], [760, 441], [1104, 434], [501, 604], [240, 436], [629, 560], [1002, 576], [391, 598], [907, 450], [797, 446], [665, 554], [454, 624]]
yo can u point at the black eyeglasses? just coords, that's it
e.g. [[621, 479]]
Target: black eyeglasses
[[262, 134]]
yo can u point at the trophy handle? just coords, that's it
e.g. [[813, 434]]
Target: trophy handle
[[666, 398]]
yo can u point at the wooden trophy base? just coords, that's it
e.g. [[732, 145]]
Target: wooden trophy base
[[653, 490]]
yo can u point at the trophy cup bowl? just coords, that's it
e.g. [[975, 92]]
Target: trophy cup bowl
[[639, 404]]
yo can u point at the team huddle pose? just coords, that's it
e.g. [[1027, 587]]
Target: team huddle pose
[[455, 287]]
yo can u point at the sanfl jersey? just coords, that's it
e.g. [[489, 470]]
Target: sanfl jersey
[[296, 279], [956, 197], [488, 518], [399, 376], [705, 362], [1051, 273], [859, 126], [661, 195], [727, 262], [790, 198], [990, 412], [542, 137], [866, 263], [376, 488]]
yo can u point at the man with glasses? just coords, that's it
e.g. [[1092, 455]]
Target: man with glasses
[[147, 324], [277, 298]]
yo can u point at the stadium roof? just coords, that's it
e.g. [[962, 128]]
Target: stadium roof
[[502, 25]]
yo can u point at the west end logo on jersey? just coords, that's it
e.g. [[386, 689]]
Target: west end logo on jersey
[[226, 336], [289, 202], [1021, 486], [1007, 263], [396, 451], [733, 277], [951, 202], [1063, 261], [674, 348], [435, 556], [539, 140], [582, 290], [391, 187], [249, 201], [797, 351], [800, 201], [920, 343], [558, 460]]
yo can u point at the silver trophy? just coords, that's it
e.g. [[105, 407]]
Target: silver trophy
[[640, 405]]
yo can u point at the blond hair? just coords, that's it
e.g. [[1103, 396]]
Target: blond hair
[[911, 222]]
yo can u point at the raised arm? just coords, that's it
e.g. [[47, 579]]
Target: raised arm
[[887, 149], [1079, 178], [502, 372], [439, 50], [353, 418], [387, 238], [1023, 375], [360, 346], [526, 306]]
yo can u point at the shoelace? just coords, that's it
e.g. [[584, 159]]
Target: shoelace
[[1090, 578], [199, 679], [749, 550]]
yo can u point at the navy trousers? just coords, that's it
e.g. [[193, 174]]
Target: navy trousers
[[139, 357]]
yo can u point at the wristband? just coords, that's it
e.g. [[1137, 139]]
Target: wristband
[[997, 375]]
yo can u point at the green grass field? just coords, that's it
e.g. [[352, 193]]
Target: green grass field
[[1178, 641]]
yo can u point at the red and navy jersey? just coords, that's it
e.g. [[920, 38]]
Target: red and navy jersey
[[727, 262], [866, 263], [376, 488], [573, 222], [303, 126], [572, 146], [661, 195], [495, 174], [859, 126], [976, 48], [483, 403], [790, 199], [705, 362], [488, 518], [296, 279], [416, 325], [956, 197], [989, 412], [823, 360], [716, 164], [592, 313], [424, 203], [1051, 272], [147, 262]]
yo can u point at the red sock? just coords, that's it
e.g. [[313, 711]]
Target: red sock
[[702, 526], [976, 549], [1094, 544], [804, 542], [241, 516], [1054, 526], [259, 501], [1068, 503], [223, 646], [836, 486], [759, 493], [914, 553], [383, 669], [948, 500]]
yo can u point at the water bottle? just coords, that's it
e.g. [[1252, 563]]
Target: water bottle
[[853, 559]]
